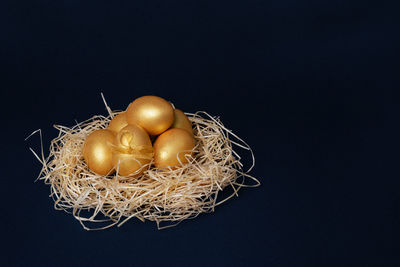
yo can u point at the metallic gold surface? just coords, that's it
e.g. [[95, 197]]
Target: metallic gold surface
[[170, 144], [132, 149], [118, 122], [153, 113], [97, 151], [181, 121]]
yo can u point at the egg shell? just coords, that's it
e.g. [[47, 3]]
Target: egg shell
[[97, 151], [171, 145], [133, 149], [117, 123], [153, 113], [181, 121]]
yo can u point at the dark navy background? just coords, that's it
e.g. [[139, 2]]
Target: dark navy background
[[310, 85]]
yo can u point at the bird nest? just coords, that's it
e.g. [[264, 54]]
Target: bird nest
[[165, 196]]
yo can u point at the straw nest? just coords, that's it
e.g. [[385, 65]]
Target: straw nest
[[165, 196]]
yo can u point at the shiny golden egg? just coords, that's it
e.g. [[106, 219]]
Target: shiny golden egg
[[118, 122], [171, 147], [153, 113], [97, 151], [133, 149], [181, 121]]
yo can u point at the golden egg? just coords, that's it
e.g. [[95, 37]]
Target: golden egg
[[97, 151], [171, 145], [132, 149], [153, 113], [181, 121], [118, 122]]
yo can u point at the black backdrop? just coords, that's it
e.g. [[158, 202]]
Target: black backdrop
[[310, 85]]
